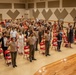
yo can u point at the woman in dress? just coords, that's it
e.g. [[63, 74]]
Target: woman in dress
[[70, 36], [21, 43]]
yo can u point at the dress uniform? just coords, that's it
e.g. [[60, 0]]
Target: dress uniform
[[47, 43], [13, 50], [36, 35], [40, 34], [31, 42]]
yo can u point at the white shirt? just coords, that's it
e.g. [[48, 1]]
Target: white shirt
[[13, 33], [21, 38], [5, 40]]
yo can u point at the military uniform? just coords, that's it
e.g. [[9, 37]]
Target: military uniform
[[31, 42], [47, 44]]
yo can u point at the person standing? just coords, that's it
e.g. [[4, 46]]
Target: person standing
[[27, 32], [3, 40], [13, 33], [67, 30], [59, 41], [21, 43], [13, 50], [31, 41], [47, 43], [74, 27], [70, 36], [36, 35], [40, 34]]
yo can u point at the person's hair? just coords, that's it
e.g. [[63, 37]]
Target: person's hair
[[4, 33], [13, 39], [70, 26], [20, 32], [45, 31], [58, 31]]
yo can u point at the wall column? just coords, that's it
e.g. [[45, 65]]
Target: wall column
[[61, 4]]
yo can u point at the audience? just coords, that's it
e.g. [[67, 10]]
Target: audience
[[34, 32]]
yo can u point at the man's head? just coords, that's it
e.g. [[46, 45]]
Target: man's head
[[4, 34]]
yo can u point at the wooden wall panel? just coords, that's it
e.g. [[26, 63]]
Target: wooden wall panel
[[5, 5], [69, 3], [30, 5], [40, 4], [0, 17], [19, 5], [53, 4]]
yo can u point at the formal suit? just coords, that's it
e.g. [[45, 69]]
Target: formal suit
[[59, 38], [3, 46]]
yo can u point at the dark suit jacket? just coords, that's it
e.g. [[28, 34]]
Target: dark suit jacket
[[59, 37], [3, 47]]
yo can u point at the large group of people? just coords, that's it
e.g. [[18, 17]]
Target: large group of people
[[17, 34]]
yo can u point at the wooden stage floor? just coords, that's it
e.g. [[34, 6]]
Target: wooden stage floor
[[66, 66]]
